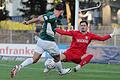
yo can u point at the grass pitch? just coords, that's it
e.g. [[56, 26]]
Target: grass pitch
[[35, 72]]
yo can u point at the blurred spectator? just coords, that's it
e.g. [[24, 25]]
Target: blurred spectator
[[96, 17], [28, 41], [87, 16]]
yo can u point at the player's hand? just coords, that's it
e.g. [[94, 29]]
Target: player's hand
[[116, 31], [25, 22], [112, 34]]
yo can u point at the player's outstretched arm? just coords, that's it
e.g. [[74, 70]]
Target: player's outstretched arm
[[34, 20], [64, 32], [100, 38]]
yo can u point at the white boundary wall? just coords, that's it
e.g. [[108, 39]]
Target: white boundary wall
[[19, 51]]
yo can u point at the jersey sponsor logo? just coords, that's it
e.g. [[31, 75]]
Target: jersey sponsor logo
[[82, 40], [52, 16], [49, 30], [86, 37]]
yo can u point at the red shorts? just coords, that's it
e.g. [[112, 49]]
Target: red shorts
[[73, 56]]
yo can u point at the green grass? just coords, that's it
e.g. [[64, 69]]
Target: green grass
[[35, 72]]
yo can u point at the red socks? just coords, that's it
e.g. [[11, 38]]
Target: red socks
[[86, 60]]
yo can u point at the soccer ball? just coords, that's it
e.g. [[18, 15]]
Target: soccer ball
[[50, 64]]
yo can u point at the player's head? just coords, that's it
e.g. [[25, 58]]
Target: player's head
[[83, 26], [58, 9]]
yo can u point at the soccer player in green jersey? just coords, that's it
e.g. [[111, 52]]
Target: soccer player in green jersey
[[46, 41]]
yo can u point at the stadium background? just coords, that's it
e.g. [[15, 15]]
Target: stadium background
[[17, 43]]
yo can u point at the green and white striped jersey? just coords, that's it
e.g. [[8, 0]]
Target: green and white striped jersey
[[48, 28]]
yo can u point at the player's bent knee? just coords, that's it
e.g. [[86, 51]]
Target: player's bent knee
[[36, 57], [56, 58], [87, 55], [35, 61]]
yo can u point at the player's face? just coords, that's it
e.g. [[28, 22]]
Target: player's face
[[83, 27], [58, 12]]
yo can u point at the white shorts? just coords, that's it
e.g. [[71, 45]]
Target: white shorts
[[49, 46]]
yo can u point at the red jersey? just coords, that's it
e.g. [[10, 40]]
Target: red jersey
[[81, 41]]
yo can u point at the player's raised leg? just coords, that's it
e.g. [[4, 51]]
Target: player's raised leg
[[37, 54], [28, 61], [85, 59]]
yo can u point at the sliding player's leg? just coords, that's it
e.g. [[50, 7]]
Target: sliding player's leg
[[85, 59]]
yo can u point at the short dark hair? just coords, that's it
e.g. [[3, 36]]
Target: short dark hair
[[84, 22], [59, 6]]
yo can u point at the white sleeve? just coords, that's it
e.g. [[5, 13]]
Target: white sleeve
[[45, 17]]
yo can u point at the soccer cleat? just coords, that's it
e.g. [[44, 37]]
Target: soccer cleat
[[15, 70], [46, 70], [65, 71], [74, 69], [78, 67]]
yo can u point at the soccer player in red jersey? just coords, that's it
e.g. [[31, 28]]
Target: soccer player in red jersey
[[81, 38]]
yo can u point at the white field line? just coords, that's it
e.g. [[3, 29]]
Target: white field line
[[6, 65]]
